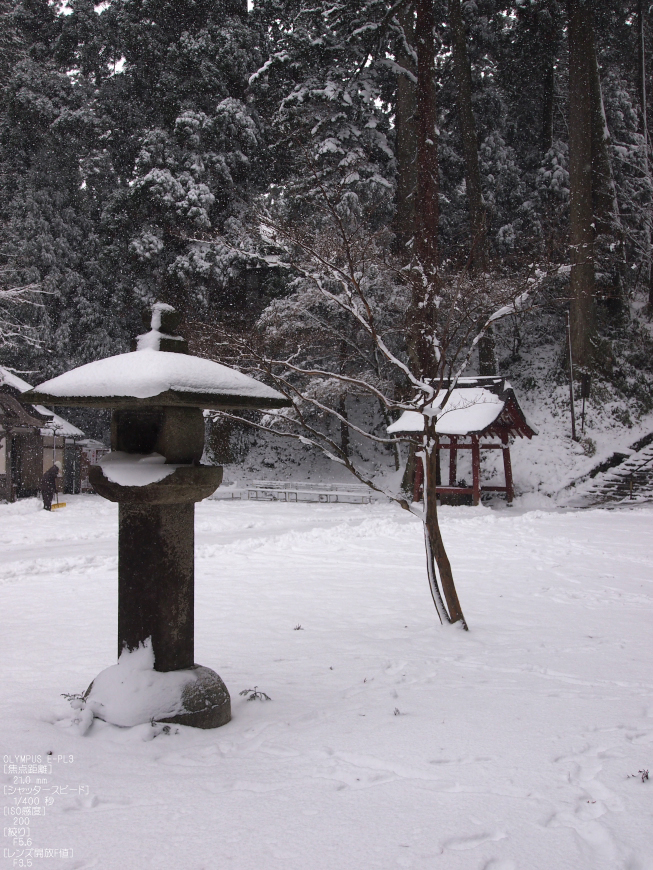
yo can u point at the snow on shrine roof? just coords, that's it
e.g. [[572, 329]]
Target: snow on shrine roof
[[163, 378], [63, 427], [466, 411], [473, 409]]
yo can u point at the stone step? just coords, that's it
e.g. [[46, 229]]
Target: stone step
[[630, 481]]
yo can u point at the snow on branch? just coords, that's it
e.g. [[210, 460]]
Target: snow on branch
[[278, 57], [13, 329]]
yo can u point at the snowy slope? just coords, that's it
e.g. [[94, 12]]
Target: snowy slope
[[389, 741]]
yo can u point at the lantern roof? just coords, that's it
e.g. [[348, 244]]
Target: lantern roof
[[160, 372]]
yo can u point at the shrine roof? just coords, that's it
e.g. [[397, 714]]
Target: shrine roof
[[477, 406]]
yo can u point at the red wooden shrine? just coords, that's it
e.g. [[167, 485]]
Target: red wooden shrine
[[481, 414]]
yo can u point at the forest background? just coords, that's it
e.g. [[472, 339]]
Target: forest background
[[147, 148]]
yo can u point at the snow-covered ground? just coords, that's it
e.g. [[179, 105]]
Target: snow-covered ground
[[388, 741]]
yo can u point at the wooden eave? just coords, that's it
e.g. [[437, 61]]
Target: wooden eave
[[14, 414], [511, 422]]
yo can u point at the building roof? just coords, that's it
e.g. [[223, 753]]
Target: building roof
[[61, 426], [477, 406]]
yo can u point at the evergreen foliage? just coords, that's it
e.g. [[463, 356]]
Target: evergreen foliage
[[139, 140]]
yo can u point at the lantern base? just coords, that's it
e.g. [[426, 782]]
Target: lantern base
[[194, 696], [206, 701]]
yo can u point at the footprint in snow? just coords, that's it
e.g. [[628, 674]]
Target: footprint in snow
[[592, 801], [500, 864], [459, 844], [92, 802], [640, 737]]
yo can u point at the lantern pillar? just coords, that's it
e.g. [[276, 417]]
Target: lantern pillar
[[154, 473]]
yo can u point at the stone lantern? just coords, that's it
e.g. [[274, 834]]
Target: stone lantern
[[157, 393]]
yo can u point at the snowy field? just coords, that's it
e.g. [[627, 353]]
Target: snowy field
[[388, 741]]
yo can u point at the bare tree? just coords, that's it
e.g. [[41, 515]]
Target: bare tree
[[345, 281], [15, 300]]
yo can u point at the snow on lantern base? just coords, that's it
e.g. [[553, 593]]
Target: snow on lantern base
[[156, 606], [132, 692]]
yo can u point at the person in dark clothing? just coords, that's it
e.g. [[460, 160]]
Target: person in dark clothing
[[49, 485]]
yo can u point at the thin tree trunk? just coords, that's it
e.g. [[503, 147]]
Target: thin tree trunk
[[643, 102], [604, 190], [487, 358], [548, 103], [342, 402], [641, 67], [405, 141], [436, 555], [406, 192], [387, 420], [548, 33], [422, 313], [427, 206], [408, 479], [478, 255], [607, 220], [469, 136], [344, 428], [583, 302]]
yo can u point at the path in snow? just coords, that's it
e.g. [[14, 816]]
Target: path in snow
[[389, 741]]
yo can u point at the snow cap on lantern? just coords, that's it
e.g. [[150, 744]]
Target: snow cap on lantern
[[159, 372]]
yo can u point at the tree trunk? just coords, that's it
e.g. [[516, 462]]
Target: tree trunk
[[643, 102], [548, 33], [408, 479], [487, 359], [641, 68], [344, 428], [342, 402], [405, 141], [604, 190], [422, 313], [436, 555], [607, 220], [548, 103], [469, 137], [478, 253], [583, 303], [427, 205], [387, 420]]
